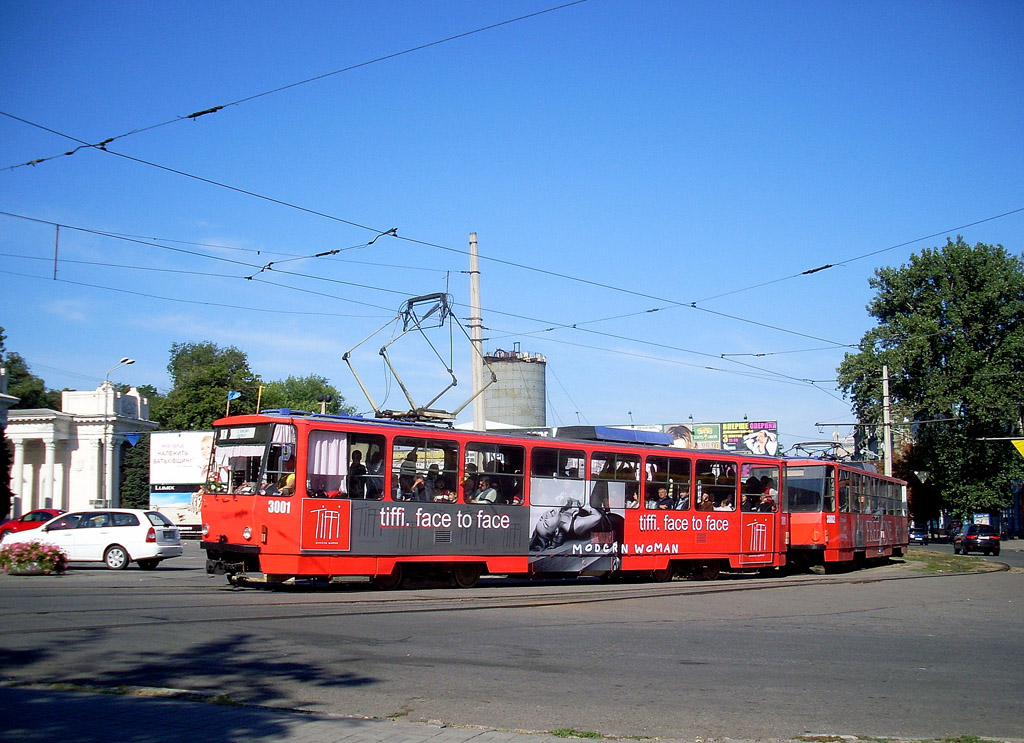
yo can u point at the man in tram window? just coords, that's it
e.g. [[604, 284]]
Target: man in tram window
[[767, 504], [485, 492], [357, 476], [665, 501]]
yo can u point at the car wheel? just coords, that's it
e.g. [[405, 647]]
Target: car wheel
[[116, 557], [956, 550], [995, 553], [148, 564]]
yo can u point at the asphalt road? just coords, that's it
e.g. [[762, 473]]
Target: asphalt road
[[881, 652]]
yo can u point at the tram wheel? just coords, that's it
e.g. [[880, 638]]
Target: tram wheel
[[391, 581], [466, 574], [662, 576], [710, 571]]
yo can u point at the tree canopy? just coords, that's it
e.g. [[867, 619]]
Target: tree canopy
[[303, 393], [21, 383], [202, 375], [951, 330]]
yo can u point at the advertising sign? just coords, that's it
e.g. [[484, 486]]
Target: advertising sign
[[756, 437], [178, 462]]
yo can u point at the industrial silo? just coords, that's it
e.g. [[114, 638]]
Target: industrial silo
[[518, 397]]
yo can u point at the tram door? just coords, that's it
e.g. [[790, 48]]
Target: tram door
[[758, 513]]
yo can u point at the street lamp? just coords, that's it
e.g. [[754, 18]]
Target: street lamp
[[106, 484], [123, 362]]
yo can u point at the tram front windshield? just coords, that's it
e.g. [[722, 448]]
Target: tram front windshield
[[251, 459], [810, 489]]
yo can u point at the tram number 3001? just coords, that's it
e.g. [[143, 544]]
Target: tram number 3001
[[279, 506]]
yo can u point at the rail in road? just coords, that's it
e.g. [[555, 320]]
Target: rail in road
[[265, 603]]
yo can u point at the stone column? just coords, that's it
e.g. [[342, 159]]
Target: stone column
[[49, 468], [17, 478], [108, 468]]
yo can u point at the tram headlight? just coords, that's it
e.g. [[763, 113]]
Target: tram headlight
[[206, 530], [247, 533]]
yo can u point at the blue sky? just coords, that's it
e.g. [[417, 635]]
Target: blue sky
[[642, 156]]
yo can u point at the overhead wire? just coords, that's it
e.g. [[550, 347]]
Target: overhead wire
[[214, 109], [394, 233]]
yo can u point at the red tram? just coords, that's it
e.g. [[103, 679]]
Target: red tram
[[299, 495]]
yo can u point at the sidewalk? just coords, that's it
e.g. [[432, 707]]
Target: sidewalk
[[44, 715]]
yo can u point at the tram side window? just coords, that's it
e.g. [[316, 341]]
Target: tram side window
[[862, 502], [760, 487], [502, 466], [614, 480], [557, 477], [423, 469], [844, 492], [345, 465], [716, 485], [672, 474]]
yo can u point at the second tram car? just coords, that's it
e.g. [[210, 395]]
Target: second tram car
[[298, 495]]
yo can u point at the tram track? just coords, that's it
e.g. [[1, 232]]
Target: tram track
[[321, 603]]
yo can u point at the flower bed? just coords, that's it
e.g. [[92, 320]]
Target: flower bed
[[33, 558]]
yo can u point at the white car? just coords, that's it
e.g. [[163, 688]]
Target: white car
[[116, 536]]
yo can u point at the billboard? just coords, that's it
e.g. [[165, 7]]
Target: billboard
[[756, 437], [178, 463]]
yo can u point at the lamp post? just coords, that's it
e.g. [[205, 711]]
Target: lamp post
[[123, 362], [107, 455]]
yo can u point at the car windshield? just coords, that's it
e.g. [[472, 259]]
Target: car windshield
[[983, 530]]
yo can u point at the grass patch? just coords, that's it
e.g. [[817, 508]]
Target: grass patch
[[929, 561], [574, 733], [965, 739]]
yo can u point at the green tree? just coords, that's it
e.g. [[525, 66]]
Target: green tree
[[21, 383], [303, 393], [202, 375], [135, 475], [951, 330]]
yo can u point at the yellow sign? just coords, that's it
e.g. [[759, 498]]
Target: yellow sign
[[1018, 445]]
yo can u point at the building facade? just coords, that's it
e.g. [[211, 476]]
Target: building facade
[[71, 459]]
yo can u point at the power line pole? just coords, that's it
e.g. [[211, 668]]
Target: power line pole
[[886, 421], [476, 336]]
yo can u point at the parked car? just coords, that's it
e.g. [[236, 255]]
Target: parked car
[[919, 536], [31, 520], [976, 538], [114, 536]]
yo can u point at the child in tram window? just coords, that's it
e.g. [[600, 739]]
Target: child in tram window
[[442, 493]]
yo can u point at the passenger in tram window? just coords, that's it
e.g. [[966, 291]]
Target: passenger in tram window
[[726, 504], [375, 476], [485, 493], [665, 501], [357, 476], [407, 472], [706, 503], [683, 502], [421, 490], [632, 499], [468, 486], [442, 493], [767, 504], [768, 485]]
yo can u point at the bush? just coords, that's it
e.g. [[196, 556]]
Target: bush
[[27, 555]]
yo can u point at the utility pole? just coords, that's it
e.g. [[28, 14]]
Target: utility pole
[[886, 421], [476, 336]]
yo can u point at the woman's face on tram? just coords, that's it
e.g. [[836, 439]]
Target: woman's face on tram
[[548, 524]]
